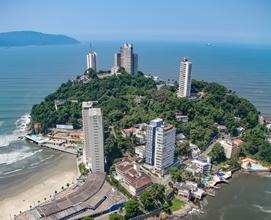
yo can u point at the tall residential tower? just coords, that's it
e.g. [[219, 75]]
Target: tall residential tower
[[150, 135], [127, 59], [92, 61], [93, 151], [185, 78], [160, 145]]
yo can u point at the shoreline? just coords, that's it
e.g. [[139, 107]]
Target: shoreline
[[186, 211], [19, 192]]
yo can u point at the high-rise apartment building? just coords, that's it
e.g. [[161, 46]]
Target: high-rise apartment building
[[185, 78], [150, 135], [164, 147], [93, 151], [92, 61], [160, 145], [127, 59]]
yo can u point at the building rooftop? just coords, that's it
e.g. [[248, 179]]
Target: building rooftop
[[132, 174], [86, 105]]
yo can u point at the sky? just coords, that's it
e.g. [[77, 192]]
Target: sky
[[169, 20]]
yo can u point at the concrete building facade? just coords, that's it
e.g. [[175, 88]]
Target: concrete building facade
[[93, 151], [164, 147], [150, 138], [92, 61], [127, 59], [184, 89]]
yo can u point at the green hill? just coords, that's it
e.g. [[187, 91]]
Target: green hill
[[116, 97]]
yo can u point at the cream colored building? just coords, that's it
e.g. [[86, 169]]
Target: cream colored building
[[185, 79], [93, 151]]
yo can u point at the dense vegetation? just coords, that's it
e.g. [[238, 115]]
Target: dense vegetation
[[256, 144], [116, 97]]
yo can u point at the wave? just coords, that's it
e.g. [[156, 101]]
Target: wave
[[13, 157], [1, 123], [41, 161], [261, 208], [267, 192], [13, 171], [5, 140], [21, 130]]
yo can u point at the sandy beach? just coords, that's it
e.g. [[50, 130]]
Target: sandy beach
[[18, 193]]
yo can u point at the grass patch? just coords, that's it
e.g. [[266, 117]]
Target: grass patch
[[176, 204]]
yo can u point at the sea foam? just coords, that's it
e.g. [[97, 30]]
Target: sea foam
[[13, 157], [21, 129], [262, 208]]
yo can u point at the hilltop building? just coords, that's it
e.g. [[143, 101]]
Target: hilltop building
[[126, 59], [92, 61], [185, 79], [93, 151], [161, 138]]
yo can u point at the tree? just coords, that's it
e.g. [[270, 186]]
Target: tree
[[153, 197], [176, 174], [166, 208], [116, 216], [87, 218], [82, 168], [217, 154], [131, 208], [183, 149]]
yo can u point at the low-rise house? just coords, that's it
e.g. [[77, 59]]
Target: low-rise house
[[222, 128], [202, 165], [190, 190], [131, 177], [138, 99], [140, 138], [195, 151], [237, 142], [231, 147], [184, 190], [198, 193], [128, 132], [140, 151], [180, 137], [180, 117]]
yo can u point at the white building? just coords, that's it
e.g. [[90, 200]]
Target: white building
[[127, 59], [202, 165], [230, 149], [93, 151], [185, 78], [140, 151], [164, 147], [92, 61]]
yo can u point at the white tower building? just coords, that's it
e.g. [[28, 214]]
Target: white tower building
[[93, 151], [164, 147], [92, 61], [185, 79]]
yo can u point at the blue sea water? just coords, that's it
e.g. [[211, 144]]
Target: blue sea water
[[27, 74]]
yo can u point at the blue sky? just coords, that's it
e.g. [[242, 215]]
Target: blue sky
[[206, 20]]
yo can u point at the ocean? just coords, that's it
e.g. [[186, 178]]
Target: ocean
[[28, 74]]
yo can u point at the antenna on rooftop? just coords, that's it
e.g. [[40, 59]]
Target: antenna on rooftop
[[90, 47]]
